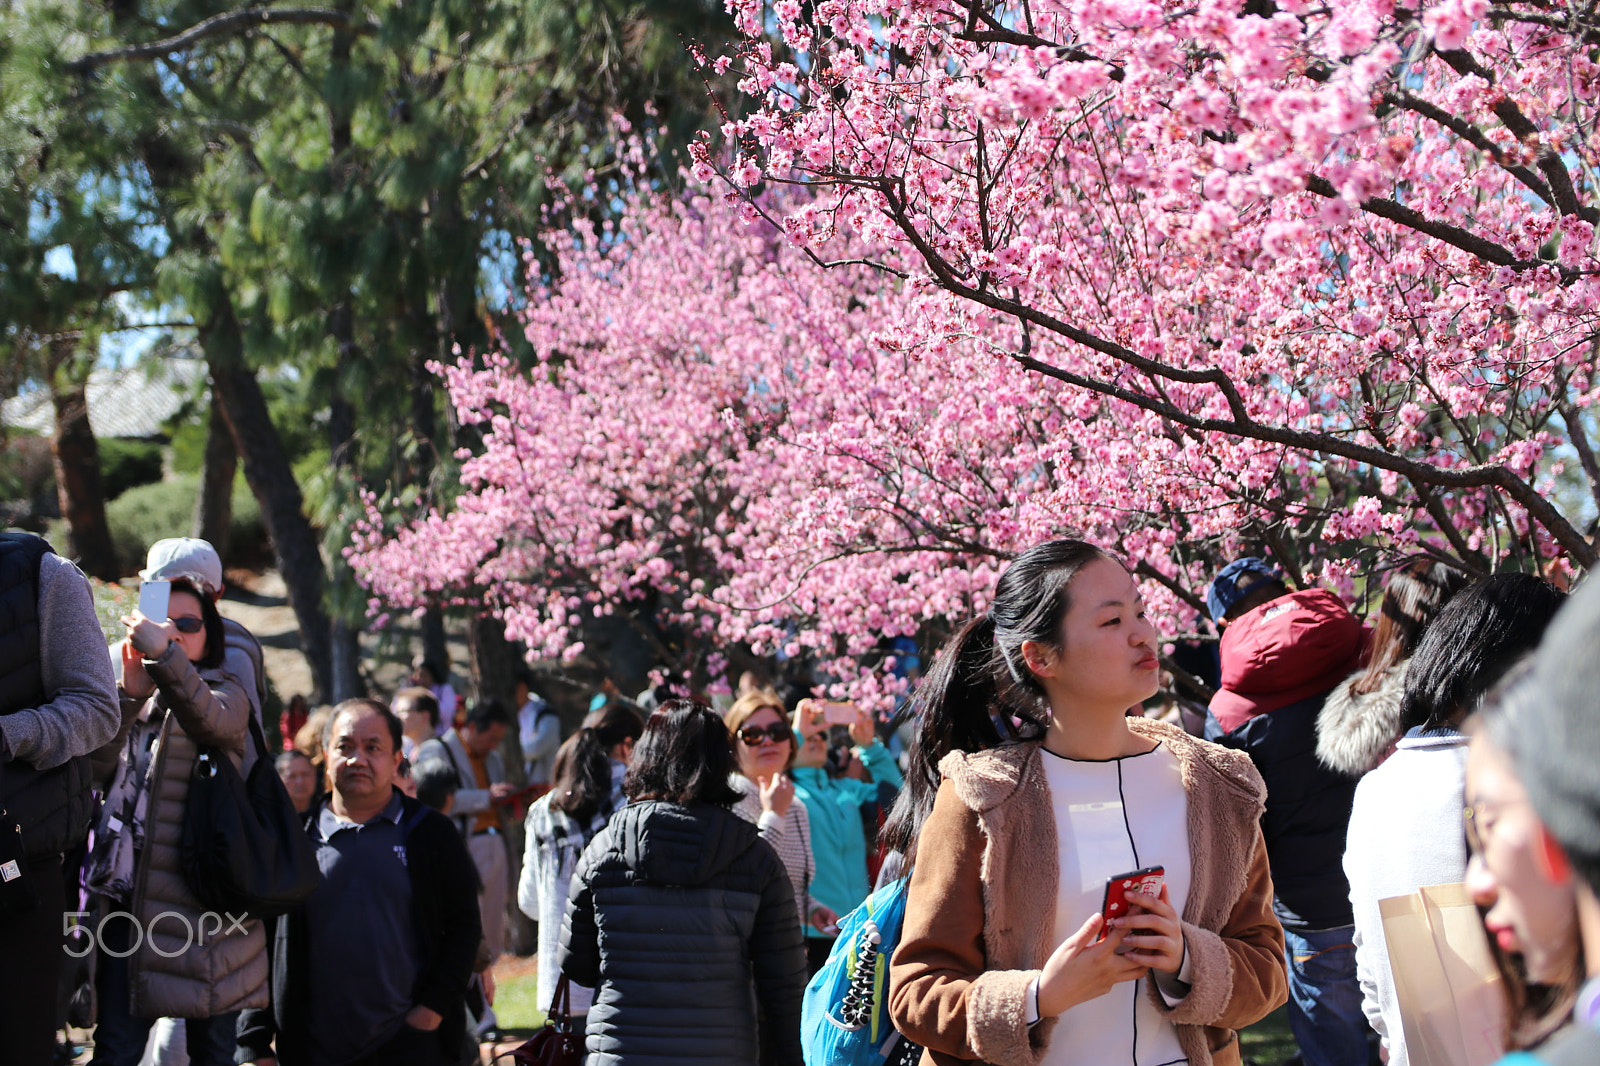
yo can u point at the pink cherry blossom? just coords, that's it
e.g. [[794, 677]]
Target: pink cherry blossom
[[1177, 279]]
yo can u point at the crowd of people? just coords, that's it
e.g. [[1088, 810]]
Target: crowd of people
[[688, 869]]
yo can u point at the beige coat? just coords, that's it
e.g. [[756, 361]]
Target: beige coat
[[978, 926], [225, 971]]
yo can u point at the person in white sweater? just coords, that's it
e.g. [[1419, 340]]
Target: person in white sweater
[[588, 790], [1405, 826], [765, 746]]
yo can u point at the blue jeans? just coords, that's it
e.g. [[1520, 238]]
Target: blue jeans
[[119, 1038], [1325, 998]]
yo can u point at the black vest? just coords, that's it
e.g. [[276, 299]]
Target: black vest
[[52, 806]]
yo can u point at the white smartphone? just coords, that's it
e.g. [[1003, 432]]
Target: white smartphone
[[154, 598]]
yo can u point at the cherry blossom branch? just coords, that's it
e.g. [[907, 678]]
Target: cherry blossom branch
[[1565, 197], [1411, 218]]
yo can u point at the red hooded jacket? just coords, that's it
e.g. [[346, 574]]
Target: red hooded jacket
[[1284, 651]]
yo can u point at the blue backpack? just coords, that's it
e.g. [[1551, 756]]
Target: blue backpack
[[844, 1018]]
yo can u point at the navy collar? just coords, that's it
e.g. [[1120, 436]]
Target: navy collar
[[1442, 732], [329, 823]]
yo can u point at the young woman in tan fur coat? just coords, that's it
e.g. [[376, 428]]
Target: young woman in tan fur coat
[[1002, 958]]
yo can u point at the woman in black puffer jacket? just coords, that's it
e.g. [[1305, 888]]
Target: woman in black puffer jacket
[[702, 960]]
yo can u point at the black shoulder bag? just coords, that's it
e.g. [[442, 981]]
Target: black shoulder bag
[[244, 849]]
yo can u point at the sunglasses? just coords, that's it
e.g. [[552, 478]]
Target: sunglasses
[[778, 732], [188, 624]]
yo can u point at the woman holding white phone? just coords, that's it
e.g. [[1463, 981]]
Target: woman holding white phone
[[1031, 789], [156, 965]]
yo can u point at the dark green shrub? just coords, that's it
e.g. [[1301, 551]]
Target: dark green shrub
[[27, 478], [143, 515], [126, 464]]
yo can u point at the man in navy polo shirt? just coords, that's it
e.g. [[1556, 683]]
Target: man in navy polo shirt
[[372, 968]]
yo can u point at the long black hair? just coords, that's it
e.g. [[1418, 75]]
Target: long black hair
[[685, 757], [1472, 642], [979, 685], [583, 778]]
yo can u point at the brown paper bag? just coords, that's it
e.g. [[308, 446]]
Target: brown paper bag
[[1451, 1002]]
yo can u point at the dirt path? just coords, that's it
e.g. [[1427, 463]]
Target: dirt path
[[259, 602]]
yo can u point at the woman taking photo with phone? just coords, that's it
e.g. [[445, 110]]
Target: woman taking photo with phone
[[766, 747], [833, 800], [160, 968], [1005, 956]]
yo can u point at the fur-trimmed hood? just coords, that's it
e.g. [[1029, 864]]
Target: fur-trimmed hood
[[1356, 732]]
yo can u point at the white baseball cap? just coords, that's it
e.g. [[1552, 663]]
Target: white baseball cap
[[185, 557]]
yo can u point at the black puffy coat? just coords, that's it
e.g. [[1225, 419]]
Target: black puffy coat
[[683, 920], [1308, 814]]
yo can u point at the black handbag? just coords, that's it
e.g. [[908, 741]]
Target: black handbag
[[244, 849]]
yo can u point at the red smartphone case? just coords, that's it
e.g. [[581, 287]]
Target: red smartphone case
[[1120, 887]]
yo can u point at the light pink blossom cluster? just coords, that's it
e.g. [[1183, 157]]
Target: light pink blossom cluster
[[1170, 276], [755, 451], [1360, 232]]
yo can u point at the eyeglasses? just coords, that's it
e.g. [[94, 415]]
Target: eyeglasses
[[777, 732], [188, 624], [1478, 819]]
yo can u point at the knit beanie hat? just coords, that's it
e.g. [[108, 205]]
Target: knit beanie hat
[[1558, 750]]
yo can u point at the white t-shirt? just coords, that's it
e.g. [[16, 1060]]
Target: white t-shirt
[[1113, 817]]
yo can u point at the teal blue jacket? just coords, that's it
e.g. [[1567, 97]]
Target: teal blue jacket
[[838, 841]]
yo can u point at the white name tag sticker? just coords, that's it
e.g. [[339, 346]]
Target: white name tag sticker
[[10, 871]]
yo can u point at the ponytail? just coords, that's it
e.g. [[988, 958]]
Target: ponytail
[[953, 711], [583, 778], [980, 693]]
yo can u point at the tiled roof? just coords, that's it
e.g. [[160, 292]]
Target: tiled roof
[[130, 401]]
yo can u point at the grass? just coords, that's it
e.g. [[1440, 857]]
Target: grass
[[1269, 1042], [516, 1003]]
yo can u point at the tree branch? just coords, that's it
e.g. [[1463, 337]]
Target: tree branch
[[1563, 195], [1241, 424], [1473, 136], [225, 25], [1411, 218], [1144, 569], [1577, 434]]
